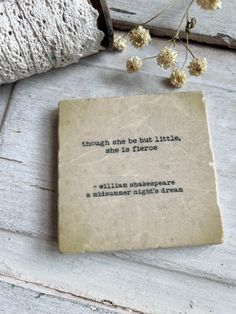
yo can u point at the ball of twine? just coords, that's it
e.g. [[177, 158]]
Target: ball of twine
[[38, 35]]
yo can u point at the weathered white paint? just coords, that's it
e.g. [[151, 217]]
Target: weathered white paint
[[158, 281], [108, 279], [30, 298], [216, 27]]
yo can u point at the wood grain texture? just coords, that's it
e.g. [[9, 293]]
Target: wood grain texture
[[109, 280], [30, 298], [218, 28], [157, 281]]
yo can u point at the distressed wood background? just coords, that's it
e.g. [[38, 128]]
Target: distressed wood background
[[217, 28], [34, 276]]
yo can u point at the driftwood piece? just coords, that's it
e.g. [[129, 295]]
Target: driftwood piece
[[215, 28], [104, 22]]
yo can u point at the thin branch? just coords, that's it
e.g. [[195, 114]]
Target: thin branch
[[160, 13], [187, 48], [187, 51], [153, 57], [183, 17]]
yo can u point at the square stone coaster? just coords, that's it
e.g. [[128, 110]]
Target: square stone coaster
[[136, 173]]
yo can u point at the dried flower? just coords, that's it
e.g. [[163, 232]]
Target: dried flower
[[178, 78], [120, 43], [197, 66], [209, 4], [139, 37], [134, 64], [166, 58]]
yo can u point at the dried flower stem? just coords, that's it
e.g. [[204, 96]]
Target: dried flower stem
[[160, 13], [153, 57], [187, 48], [166, 58], [187, 51], [183, 17]]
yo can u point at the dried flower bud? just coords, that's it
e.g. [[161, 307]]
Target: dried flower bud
[[209, 4], [139, 37], [120, 43], [197, 66], [178, 78], [134, 64], [166, 58]]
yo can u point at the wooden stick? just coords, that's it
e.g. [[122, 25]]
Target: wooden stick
[[104, 22]]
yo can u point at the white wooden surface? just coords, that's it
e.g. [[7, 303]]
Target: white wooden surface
[[216, 27], [29, 298], [35, 277]]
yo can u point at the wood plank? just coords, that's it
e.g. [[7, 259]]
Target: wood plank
[[29, 191], [28, 157], [109, 280], [28, 165], [104, 22], [39, 300], [215, 28]]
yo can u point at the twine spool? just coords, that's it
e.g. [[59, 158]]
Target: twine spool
[[38, 35]]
